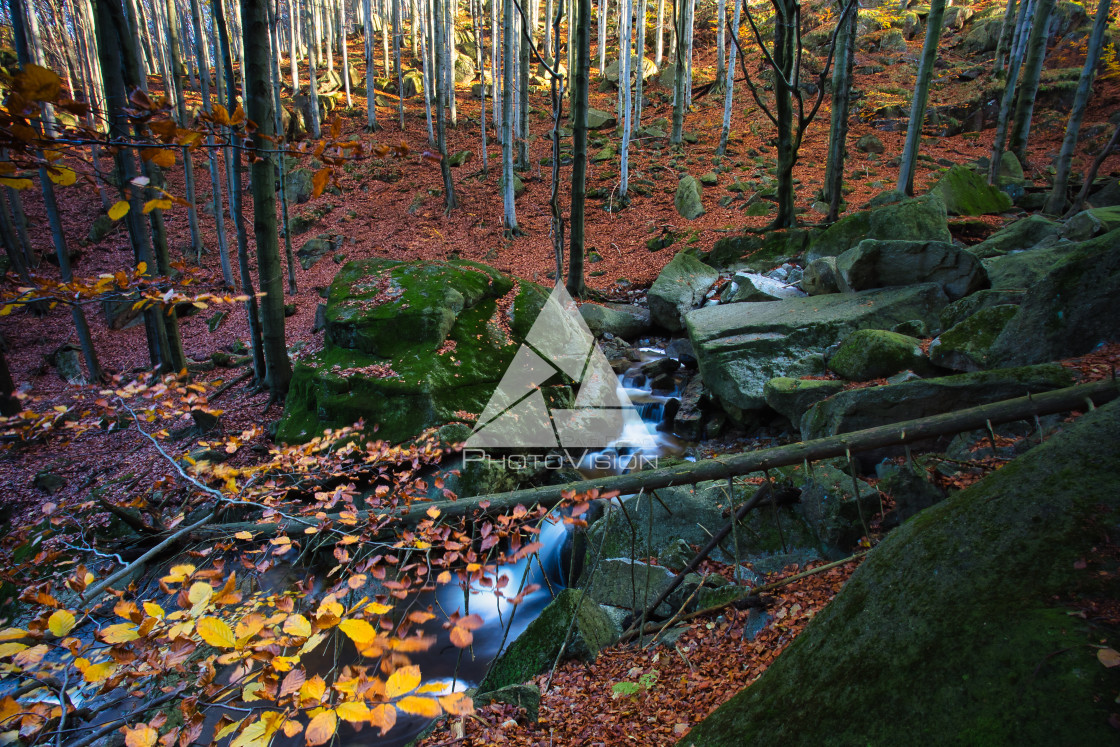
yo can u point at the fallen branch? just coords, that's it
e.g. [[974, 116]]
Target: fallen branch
[[897, 434], [229, 384]]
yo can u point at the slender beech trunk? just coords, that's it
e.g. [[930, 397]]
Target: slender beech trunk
[[910, 150], [371, 86], [1032, 74], [624, 55], [660, 57], [841, 104], [1057, 200], [509, 210], [523, 94], [313, 74], [181, 115], [440, 45], [293, 60], [345, 52], [1006, 31], [479, 44], [999, 140], [729, 92], [258, 105], [680, 17], [582, 69], [639, 82], [280, 138]]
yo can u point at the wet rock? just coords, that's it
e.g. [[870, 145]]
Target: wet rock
[[622, 320], [751, 287], [678, 289], [688, 422], [792, 397]]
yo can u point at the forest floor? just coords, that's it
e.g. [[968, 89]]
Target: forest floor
[[394, 208]]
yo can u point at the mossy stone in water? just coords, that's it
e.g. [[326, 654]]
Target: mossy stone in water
[[874, 354]]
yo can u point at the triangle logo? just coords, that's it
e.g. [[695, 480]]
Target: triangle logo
[[517, 415]]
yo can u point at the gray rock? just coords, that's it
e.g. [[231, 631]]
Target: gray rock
[[67, 362], [1092, 222], [857, 409], [820, 277], [632, 584], [1069, 310], [792, 397], [892, 40], [459, 158], [100, 228], [412, 84], [958, 311], [876, 264], [614, 70], [1020, 235], [869, 144], [315, 249], [688, 422], [921, 219], [49, 482], [967, 345], [750, 287], [464, 69], [1010, 170], [911, 490], [966, 192], [740, 347], [622, 320], [600, 120], [875, 354], [678, 289], [297, 186], [681, 349], [689, 200], [1107, 195], [710, 179], [536, 648]]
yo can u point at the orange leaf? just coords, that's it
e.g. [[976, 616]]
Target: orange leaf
[[383, 716], [321, 728], [461, 637], [142, 736], [425, 707], [319, 182]]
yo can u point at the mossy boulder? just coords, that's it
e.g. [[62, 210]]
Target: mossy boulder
[[966, 192], [857, 409], [966, 346], [614, 70], [758, 252], [876, 353], [689, 199], [876, 263], [792, 397], [1092, 222], [678, 289], [1022, 234], [920, 219], [297, 186], [621, 320], [972, 593], [958, 311], [315, 249], [1068, 311], [408, 346], [821, 277], [598, 119], [536, 648], [412, 84]]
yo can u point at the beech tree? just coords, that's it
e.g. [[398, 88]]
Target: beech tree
[[934, 21]]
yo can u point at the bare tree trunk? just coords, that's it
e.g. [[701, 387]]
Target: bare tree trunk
[[729, 92], [582, 73], [440, 46], [624, 54], [181, 115], [508, 62], [999, 140], [910, 150], [1032, 72], [841, 104], [479, 45]]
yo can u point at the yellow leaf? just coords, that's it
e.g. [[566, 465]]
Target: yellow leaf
[[312, 691], [157, 204], [163, 157], [312, 643], [141, 736], [154, 610], [378, 608], [402, 681], [297, 625], [425, 707], [8, 649], [1109, 657], [321, 728], [249, 692], [226, 730], [62, 176], [457, 704], [359, 631], [244, 535], [256, 734], [216, 632], [119, 633], [37, 83], [319, 182], [16, 183], [118, 211], [354, 712], [99, 672], [383, 716], [200, 593], [12, 634], [61, 622]]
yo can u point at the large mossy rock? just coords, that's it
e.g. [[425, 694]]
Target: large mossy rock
[[1093, 222], [536, 648], [792, 397], [967, 597], [877, 264], [759, 252], [967, 345], [621, 320], [966, 192], [1068, 311], [678, 289], [613, 71], [597, 119], [1022, 270], [741, 346], [857, 409], [921, 219], [689, 198], [1022, 234], [408, 346], [876, 353]]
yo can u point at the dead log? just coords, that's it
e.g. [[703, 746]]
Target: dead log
[[721, 468]]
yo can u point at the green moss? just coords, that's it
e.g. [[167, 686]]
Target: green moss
[[949, 632], [966, 192], [872, 354], [965, 346]]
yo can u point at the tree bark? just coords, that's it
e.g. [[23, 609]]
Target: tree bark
[[582, 73], [841, 103], [1032, 73], [910, 150]]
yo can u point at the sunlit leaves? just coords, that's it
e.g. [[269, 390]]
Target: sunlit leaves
[[140, 736], [119, 633], [1109, 657], [417, 706], [157, 204], [297, 625], [61, 622], [216, 632], [62, 176], [359, 631], [321, 728], [353, 711], [36, 83], [119, 210], [319, 182], [404, 680]]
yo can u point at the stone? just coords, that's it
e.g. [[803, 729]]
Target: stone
[[689, 198], [1018, 271], [622, 320], [298, 186], [681, 349], [49, 482], [631, 584], [973, 592], [820, 277], [869, 144], [1010, 170], [598, 119], [536, 648], [742, 346], [958, 311], [614, 70], [679, 288], [792, 397], [966, 192], [119, 312], [457, 159], [1107, 195], [1018, 236], [451, 360], [1068, 311], [710, 179], [100, 228], [1093, 222], [688, 421], [606, 153], [67, 362], [868, 354], [831, 508], [892, 40], [956, 17], [857, 409], [518, 185], [877, 263], [910, 488], [464, 69], [315, 249], [920, 219], [758, 253], [967, 345], [412, 84], [750, 287]]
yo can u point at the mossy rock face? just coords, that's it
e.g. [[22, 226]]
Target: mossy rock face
[[921, 219], [688, 199], [958, 311], [1093, 222], [792, 397], [1022, 234], [857, 409], [966, 192], [679, 288], [758, 253], [877, 263], [409, 345], [966, 345], [875, 353], [964, 593], [536, 648]]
